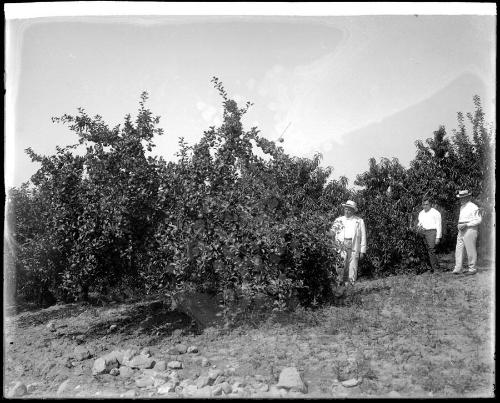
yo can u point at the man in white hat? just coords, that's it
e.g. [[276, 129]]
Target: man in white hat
[[350, 233], [468, 223]]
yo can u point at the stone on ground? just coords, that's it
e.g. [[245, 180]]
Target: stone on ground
[[146, 352], [64, 387], [126, 371], [203, 392], [226, 388], [174, 365], [81, 353], [192, 349], [129, 393], [203, 381], [128, 355], [291, 379], [189, 390], [214, 373], [103, 365], [160, 365], [144, 381], [19, 389], [181, 348], [140, 361], [166, 388], [350, 383]]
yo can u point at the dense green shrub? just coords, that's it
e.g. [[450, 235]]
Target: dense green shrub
[[391, 195], [221, 219]]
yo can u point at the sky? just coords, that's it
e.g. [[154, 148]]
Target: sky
[[347, 86]]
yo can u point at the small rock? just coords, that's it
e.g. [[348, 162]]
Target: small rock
[[140, 361], [217, 390], [129, 393], [51, 326], [219, 380], [186, 382], [19, 389], [160, 365], [128, 355], [80, 339], [181, 348], [203, 381], [351, 382], [203, 392], [290, 379], [126, 372], [112, 328], [81, 353], [116, 355], [174, 365], [215, 373], [393, 394], [155, 374], [239, 383], [264, 387], [260, 378], [63, 387], [192, 349], [34, 386], [103, 365], [146, 352], [226, 388], [158, 382], [189, 390], [144, 381], [229, 371], [174, 376], [166, 388], [114, 371]]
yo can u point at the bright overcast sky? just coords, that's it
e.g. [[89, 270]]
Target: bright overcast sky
[[349, 87]]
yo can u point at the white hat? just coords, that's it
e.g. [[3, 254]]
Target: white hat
[[463, 193], [351, 204]]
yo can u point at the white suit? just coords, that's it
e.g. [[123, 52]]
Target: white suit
[[351, 233], [466, 238]]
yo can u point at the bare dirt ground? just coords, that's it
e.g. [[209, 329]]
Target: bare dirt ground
[[430, 335]]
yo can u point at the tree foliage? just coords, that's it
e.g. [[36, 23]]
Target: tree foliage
[[222, 219]]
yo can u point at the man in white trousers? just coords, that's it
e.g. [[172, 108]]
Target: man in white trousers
[[468, 223], [350, 233]]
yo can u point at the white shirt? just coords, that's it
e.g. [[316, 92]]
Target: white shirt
[[430, 220], [342, 228], [349, 227], [469, 214]]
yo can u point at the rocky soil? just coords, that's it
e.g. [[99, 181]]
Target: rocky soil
[[405, 336]]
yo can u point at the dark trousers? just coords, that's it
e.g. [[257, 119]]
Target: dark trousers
[[430, 242]]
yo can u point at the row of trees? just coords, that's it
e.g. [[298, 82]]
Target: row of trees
[[221, 218]]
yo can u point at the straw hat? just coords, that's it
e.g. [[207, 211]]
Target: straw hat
[[463, 193], [351, 204]]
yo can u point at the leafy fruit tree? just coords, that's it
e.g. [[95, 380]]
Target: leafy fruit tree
[[220, 219]]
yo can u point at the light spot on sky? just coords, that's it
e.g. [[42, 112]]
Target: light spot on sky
[[325, 77]]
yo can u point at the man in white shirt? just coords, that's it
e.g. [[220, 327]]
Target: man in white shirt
[[468, 223], [429, 225], [350, 233]]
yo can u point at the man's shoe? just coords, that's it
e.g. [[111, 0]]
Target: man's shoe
[[470, 272], [457, 271]]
